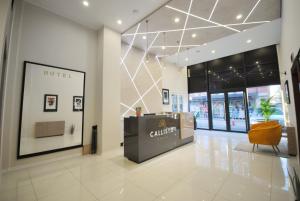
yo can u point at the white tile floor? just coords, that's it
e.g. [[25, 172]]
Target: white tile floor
[[207, 170]]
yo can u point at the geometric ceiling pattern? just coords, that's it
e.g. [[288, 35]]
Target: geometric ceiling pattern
[[185, 24]]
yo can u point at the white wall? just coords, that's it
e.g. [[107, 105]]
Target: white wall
[[4, 14], [43, 37], [290, 42], [175, 79]]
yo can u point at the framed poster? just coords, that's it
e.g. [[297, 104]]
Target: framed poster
[[50, 103], [47, 98], [165, 96], [77, 103], [287, 92]]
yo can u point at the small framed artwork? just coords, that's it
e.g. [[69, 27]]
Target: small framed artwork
[[165, 96], [287, 92], [77, 103], [50, 103]]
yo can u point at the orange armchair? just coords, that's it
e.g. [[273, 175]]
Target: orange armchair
[[266, 133]]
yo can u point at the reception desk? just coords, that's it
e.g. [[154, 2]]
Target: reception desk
[[148, 136]]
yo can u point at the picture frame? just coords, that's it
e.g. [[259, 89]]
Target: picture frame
[[287, 92], [78, 103], [165, 97], [50, 102]]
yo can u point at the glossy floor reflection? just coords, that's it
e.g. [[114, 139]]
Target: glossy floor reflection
[[207, 170]]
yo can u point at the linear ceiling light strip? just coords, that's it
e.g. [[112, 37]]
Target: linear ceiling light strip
[[251, 11], [131, 44], [195, 28], [134, 85], [213, 10], [201, 18], [145, 53], [146, 92], [149, 73], [185, 23]]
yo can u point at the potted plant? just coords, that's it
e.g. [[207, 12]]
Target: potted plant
[[267, 109]]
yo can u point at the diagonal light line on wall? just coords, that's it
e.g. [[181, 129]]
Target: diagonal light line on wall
[[201, 18], [157, 59], [145, 53], [185, 23], [131, 44], [139, 94], [141, 98], [251, 11], [213, 10], [130, 108], [150, 74], [195, 28]]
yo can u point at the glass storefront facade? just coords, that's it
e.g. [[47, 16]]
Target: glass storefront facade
[[225, 94]]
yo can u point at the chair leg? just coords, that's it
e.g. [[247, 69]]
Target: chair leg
[[253, 147], [256, 146], [274, 149], [277, 148]]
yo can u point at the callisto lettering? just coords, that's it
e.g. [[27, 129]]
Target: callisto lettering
[[162, 132], [56, 74]]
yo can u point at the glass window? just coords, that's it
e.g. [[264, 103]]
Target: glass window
[[199, 106], [255, 94], [218, 111]]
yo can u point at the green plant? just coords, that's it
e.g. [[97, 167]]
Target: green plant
[[295, 183], [267, 109]]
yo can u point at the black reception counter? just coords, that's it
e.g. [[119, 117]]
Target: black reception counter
[[148, 136]]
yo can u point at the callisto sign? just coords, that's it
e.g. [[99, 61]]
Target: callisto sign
[[163, 129]]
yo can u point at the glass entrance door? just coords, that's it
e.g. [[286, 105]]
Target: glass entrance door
[[237, 113], [218, 109]]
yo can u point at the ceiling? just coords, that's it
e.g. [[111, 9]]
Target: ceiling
[[102, 12], [206, 20]]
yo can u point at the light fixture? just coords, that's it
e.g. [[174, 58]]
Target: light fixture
[[145, 37], [177, 19], [85, 3], [205, 44], [249, 41], [119, 22], [186, 59], [213, 51], [163, 47], [239, 16], [257, 62], [230, 67], [194, 35]]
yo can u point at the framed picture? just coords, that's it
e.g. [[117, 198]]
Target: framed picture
[[165, 96], [50, 103], [77, 103], [287, 92]]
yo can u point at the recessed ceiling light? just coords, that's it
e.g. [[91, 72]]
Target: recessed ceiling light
[[249, 41], [230, 67], [144, 37], [177, 19], [245, 30], [205, 44], [257, 62], [213, 51], [86, 3], [119, 22], [239, 16], [163, 47], [194, 35], [186, 59]]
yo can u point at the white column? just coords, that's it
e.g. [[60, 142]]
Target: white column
[[109, 88]]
